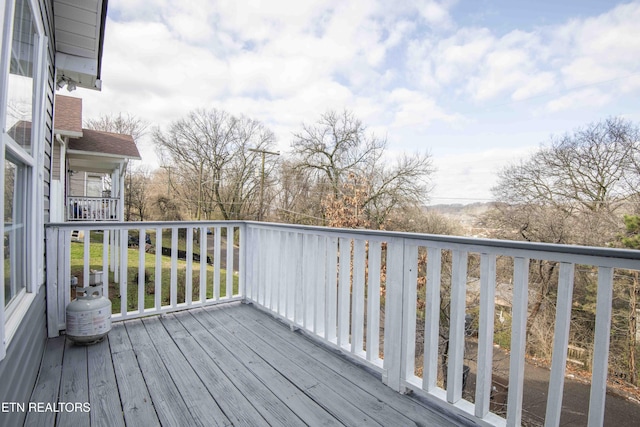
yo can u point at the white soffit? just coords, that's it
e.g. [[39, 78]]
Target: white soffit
[[79, 32]]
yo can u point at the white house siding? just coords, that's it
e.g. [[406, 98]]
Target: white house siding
[[19, 368]]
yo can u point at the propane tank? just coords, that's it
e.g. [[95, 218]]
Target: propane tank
[[89, 316]]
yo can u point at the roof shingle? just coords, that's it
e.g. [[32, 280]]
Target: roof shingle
[[106, 143]]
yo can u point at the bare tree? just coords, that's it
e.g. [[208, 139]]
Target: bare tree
[[574, 190], [212, 167], [137, 200], [348, 165], [123, 123]]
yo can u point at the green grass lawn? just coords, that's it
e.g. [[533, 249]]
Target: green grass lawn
[[95, 261]]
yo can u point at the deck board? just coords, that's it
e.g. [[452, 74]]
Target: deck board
[[224, 365], [48, 385], [74, 385], [137, 406], [106, 409], [202, 405]]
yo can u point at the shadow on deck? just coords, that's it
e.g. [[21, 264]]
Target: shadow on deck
[[227, 365]]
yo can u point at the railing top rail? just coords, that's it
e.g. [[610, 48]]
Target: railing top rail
[[471, 243], [91, 198], [136, 225], [591, 251]]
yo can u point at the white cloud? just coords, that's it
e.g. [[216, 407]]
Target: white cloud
[[589, 97], [402, 67], [415, 109]]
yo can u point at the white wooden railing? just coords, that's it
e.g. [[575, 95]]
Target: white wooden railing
[[92, 208], [357, 290]]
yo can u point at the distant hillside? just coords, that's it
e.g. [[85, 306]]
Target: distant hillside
[[466, 215]]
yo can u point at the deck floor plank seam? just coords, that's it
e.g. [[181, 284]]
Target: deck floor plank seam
[[270, 407], [222, 365], [200, 402], [333, 396], [137, 405], [377, 408], [306, 409], [232, 401], [168, 402], [278, 333], [74, 385], [106, 407], [48, 383]]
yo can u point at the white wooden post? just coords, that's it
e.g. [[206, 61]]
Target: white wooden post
[[141, 270], [485, 333], [560, 343], [393, 316], [409, 298], [332, 290], [188, 279], [601, 347], [432, 319], [344, 288], [53, 263], [518, 341], [373, 302], [357, 297], [455, 361]]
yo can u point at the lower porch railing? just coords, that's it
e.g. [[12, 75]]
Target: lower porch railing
[[392, 301], [80, 208]]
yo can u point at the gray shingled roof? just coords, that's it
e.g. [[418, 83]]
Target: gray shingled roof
[[106, 143]]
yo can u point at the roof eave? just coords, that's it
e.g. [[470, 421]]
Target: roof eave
[[75, 66], [105, 155]]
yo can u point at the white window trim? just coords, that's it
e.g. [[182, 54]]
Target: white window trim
[[11, 317]]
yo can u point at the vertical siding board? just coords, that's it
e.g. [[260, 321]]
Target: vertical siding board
[[432, 319], [518, 340], [485, 333]]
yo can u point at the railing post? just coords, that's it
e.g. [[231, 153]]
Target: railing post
[[392, 365], [52, 282]]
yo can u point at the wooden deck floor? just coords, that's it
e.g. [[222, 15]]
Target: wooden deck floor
[[228, 365]]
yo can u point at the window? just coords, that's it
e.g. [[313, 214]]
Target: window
[[14, 230], [22, 85], [20, 90]]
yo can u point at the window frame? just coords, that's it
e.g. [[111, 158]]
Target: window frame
[[30, 164]]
